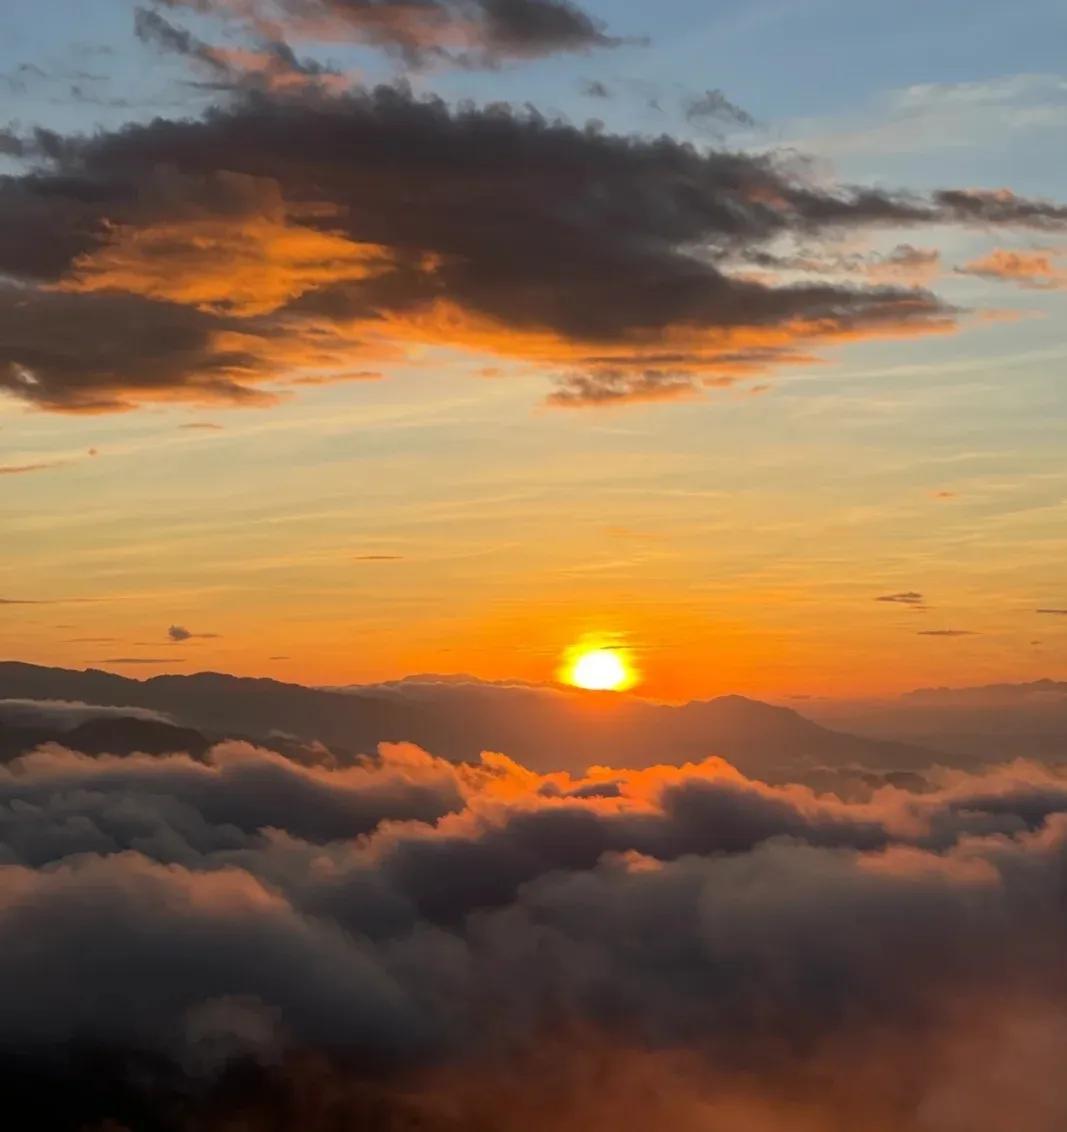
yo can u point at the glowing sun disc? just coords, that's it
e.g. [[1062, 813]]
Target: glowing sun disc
[[599, 670]]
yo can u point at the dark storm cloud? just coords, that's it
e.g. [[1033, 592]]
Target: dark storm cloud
[[714, 106], [285, 233]]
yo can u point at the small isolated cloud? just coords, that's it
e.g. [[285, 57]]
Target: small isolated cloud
[[1034, 270], [178, 634], [714, 106], [596, 89], [947, 633], [206, 425], [1054, 612], [908, 598], [945, 494], [143, 660], [377, 558], [621, 387]]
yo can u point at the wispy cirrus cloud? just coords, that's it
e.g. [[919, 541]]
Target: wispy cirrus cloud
[[927, 116], [904, 263], [268, 64], [46, 601], [467, 33], [714, 107], [23, 469]]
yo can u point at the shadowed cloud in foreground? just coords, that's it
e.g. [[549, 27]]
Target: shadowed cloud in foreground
[[399, 937]]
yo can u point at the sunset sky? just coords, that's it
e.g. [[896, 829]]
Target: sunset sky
[[762, 376]]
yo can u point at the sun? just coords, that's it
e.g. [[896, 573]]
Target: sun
[[601, 670], [598, 669]]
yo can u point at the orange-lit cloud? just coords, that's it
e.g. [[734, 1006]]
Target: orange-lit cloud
[[248, 267], [313, 237], [1036, 271]]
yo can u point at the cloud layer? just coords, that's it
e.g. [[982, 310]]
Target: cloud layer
[[683, 924]]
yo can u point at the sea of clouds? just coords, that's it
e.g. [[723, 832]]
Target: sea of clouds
[[249, 941]]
